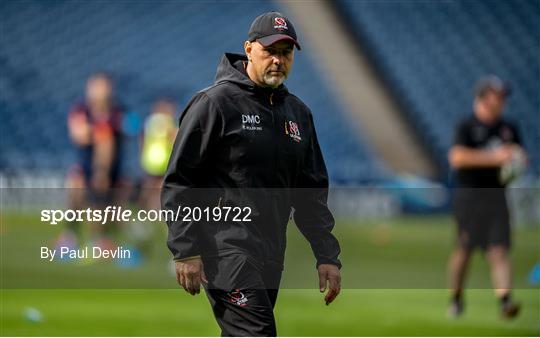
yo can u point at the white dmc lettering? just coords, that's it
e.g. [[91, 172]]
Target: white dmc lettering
[[253, 119]]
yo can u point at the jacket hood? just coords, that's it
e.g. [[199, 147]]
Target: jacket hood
[[231, 69]]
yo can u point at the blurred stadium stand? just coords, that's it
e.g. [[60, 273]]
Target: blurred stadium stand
[[152, 48], [430, 54], [371, 105]]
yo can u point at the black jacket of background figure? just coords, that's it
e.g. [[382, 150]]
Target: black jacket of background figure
[[242, 145]]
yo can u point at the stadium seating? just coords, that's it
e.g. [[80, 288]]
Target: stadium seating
[[430, 53], [153, 48]]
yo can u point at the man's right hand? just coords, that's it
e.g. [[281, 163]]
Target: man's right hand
[[329, 275], [190, 274]]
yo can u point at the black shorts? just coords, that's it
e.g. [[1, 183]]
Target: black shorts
[[243, 293], [482, 217]]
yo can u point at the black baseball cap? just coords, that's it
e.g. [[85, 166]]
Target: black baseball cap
[[271, 27], [492, 83]]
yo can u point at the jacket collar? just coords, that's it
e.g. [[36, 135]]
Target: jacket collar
[[232, 69]]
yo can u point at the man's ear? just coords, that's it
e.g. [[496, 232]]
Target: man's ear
[[247, 49]]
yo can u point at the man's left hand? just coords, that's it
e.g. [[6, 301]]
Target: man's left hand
[[329, 276]]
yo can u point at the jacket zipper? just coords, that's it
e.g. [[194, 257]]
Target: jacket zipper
[[274, 129], [270, 98]]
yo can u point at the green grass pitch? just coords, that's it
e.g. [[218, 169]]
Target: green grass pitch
[[383, 262]]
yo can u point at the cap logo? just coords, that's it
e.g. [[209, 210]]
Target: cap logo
[[280, 24]]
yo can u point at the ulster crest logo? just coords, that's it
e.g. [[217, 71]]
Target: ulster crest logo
[[291, 129], [507, 135], [280, 24], [237, 297]]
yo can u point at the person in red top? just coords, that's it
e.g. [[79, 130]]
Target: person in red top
[[94, 127]]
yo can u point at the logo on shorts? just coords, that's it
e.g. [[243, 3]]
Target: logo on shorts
[[280, 24], [291, 129], [237, 297]]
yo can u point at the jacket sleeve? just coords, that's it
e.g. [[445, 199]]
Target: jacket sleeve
[[311, 213], [200, 125]]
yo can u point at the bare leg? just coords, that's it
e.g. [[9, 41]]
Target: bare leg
[[501, 276], [76, 187], [457, 271], [499, 262]]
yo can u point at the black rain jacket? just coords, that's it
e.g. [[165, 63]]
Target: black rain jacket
[[241, 145]]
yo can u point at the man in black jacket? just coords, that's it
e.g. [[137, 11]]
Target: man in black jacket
[[248, 146]]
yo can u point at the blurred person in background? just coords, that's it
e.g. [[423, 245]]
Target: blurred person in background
[[94, 127], [157, 139], [159, 132], [484, 144]]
